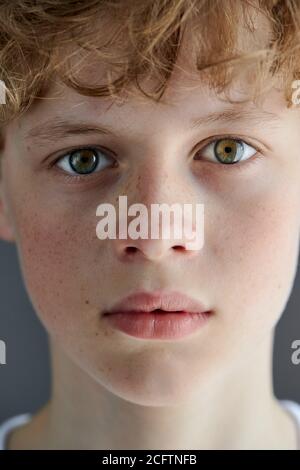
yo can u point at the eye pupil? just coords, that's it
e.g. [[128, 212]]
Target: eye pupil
[[83, 160], [226, 150]]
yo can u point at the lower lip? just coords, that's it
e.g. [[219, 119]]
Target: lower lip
[[158, 325]]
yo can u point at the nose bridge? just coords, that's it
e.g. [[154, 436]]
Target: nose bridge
[[161, 207], [157, 179]]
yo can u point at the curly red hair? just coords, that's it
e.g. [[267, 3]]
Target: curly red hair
[[141, 39]]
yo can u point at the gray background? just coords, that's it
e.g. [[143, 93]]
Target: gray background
[[25, 379]]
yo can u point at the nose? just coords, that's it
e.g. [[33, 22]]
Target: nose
[[156, 249], [159, 230]]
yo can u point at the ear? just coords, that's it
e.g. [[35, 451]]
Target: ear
[[6, 228]]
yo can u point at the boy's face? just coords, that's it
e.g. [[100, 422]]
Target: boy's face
[[244, 272]]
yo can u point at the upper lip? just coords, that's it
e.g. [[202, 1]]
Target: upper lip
[[168, 301]]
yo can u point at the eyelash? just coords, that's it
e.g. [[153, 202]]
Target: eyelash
[[71, 178], [238, 166], [223, 167]]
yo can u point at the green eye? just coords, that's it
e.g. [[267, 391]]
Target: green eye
[[83, 160], [228, 150]]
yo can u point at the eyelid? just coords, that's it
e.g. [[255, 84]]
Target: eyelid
[[212, 140], [67, 154], [240, 138], [70, 177], [238, 166]]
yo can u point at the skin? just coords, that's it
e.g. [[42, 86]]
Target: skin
[[210, 390]]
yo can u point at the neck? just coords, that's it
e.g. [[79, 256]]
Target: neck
[[236, 411]]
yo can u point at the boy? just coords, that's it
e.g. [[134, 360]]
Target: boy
[[222, 131]]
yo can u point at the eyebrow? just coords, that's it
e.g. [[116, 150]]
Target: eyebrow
[[254, 116], [57, 128]]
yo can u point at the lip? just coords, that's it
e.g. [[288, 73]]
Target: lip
[[168, 301], [159, 314]]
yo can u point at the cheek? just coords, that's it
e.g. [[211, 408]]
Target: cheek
[[57, 258], [66, 268], [255, 260]]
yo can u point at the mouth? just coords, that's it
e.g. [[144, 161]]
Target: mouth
[[158, 316], [161, 301], [156, 310]]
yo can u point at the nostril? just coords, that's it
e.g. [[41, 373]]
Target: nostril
[[131, 249], [178, 248]]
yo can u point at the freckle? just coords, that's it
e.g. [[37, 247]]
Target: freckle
[[87, 302]]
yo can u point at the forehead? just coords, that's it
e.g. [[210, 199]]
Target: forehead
[[187, 105], [187, 97], [69, 114]]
